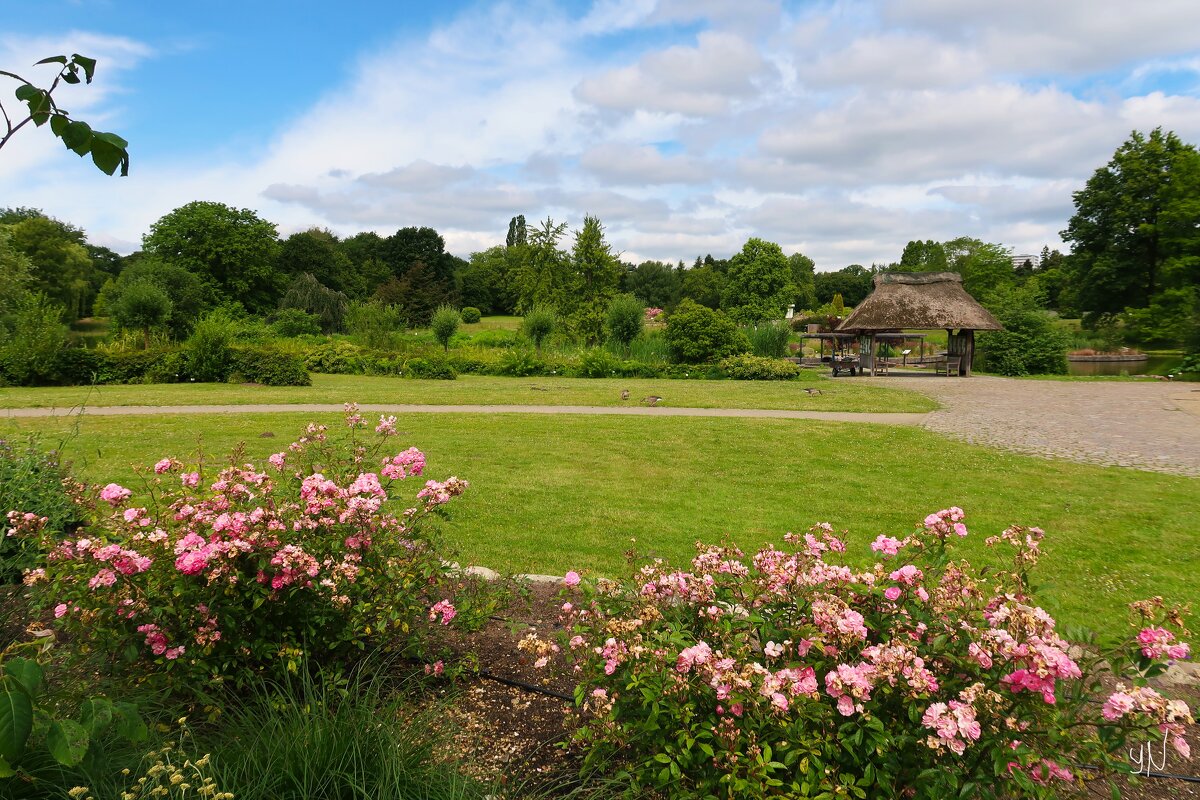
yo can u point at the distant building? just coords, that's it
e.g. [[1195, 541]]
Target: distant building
[[1019, 261]]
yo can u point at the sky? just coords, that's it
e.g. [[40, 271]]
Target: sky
[[838, 129]]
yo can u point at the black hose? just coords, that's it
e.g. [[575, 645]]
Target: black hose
[[529, 687]]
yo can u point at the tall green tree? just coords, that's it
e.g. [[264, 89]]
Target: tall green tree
[[803, 278], [760, 283], [319, 253], [923, 256], [62, 267], [986, 268], [1136, 227], [654, 283], [593, 281], [232, 250], [542, 275], [189, 296], [853, 283], [517, 233], [16, 274], [703, 284]]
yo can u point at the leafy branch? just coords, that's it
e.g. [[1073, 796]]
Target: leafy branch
[[108, 150]]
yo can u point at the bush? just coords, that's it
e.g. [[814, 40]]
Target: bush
[[434, 368], [790, 674], [471, 315], [373, 324], [537, 325], [294, 322], [521, 363], [268, 367], [37, 335], [755, 368], [696, 334], [209, 357], [229, 574], [597, 363], [336, 358], [444, 325], [142, 307], [134, 366], [1030, 344], [77, 366], [626, 319], [32, 480], [769, 339], [496, 338]]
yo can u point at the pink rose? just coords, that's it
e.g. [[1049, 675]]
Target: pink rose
[[571, 578]]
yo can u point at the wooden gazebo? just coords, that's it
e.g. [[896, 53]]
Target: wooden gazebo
[[921, 301]]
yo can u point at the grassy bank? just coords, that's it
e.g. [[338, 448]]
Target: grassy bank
[[555, 493], [836, 395]]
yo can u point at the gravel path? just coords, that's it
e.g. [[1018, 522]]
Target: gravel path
[[1147, 425]]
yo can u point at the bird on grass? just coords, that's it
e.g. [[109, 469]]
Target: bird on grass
[[652, 400], [624, 394], [813, 391]]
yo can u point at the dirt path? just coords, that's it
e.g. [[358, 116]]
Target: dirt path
[[1151, 426], [322, 408]]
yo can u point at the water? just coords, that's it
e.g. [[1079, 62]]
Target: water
[[1153, 365]]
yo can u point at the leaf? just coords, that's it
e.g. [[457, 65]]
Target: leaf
[[52, 60], [67, 741], [6, 771], [27, 673], [78, 137], [112, 139], [88, 64], [108, 157], [58, 124], [95, 715], [16, 722], [27, 91], [129, 722]]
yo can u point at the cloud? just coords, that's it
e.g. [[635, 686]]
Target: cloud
[[631, 164], [699, 81]]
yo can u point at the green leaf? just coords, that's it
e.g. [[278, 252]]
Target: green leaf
[[6, 771], [78, 137], [129, 722], [95, 715], [16, 723], [112, 139], [58, 124], [52, 60], [67, 741], [88, 65], [108, 157], [27, 673], [27, 91]]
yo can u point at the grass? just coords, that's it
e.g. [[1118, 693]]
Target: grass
[[555, 493], [841, 395]]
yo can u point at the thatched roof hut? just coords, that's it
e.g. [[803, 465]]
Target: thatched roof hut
[[919, 301]]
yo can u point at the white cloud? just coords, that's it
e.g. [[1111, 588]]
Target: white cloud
[[631, 164]]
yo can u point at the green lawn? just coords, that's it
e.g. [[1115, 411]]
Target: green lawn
[[845, 394], [554, 493]]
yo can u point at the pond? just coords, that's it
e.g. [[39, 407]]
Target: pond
[[1155, 364]]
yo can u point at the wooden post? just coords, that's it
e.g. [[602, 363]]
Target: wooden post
[[969, 354]]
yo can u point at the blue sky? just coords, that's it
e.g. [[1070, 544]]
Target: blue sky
[[839, 129]]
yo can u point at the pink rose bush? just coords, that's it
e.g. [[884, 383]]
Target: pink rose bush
[[217, 574], [791, 674]]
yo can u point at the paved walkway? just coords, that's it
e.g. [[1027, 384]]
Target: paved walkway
[[630, 411], [1147, 425]]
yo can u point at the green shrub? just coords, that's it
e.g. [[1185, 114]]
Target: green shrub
[[537, 325], [134, 365], [433, 367], [374, 324], [520, 363], [31, 481], [1030, 344], [471, 315], [769, 339], [757, 368], [294, 322], [335, 358], [77, 366], [496, 338], [444, 325], [597, 363], [625, 320], [268, 367], [36, 335], [696, 334], [209, 358]]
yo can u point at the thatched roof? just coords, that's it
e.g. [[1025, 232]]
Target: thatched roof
[[921, 301]]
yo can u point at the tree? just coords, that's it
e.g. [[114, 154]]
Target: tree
[[626, 318], [143, 307], [444, 325], [1134, 231], [923, 256], [760, 283], [108, 150], [517, 234], [654, 283], [696, 334], [318, 253], [62, 268], [308, 294], [803, 272], [595, 274], [703, 284], [985, 268], [853, 283], [232, 250], [187, 292], [16, 274], [542, 275]]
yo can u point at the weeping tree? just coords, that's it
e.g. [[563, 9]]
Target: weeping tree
[[143, 307], [308, 294]]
